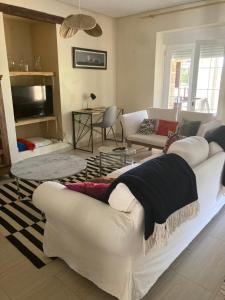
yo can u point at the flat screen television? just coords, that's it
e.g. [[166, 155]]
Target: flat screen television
[[32, 101]]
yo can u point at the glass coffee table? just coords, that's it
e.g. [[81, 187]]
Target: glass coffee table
[[48, 167], [126, 155]]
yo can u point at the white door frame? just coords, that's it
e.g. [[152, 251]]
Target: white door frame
[[167, 69], [193, 79]]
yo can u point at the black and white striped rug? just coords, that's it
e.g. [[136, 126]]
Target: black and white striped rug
[[22, 223]]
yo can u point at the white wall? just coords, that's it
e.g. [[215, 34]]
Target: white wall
[[136, 48], [77, 84], [190, 35], [18, 33], [74, 83]]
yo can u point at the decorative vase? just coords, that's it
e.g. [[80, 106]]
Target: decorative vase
[[37, 63]]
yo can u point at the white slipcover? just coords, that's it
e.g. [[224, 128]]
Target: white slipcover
[[122, 199], [195, 116], [214, 148], [162, 113], [209, 126], [106, 245], [193, 149], [152, 139], [132, 121]]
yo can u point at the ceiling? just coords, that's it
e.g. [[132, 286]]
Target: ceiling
[[122, 8]]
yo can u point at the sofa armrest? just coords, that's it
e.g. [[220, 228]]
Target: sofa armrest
[[208, 177], [132, 121], [209, 126], [87, 218]]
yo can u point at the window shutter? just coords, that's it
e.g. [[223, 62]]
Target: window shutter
[[182, 53], [207, 51]]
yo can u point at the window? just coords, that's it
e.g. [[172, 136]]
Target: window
[[193, 75], [180, 68]]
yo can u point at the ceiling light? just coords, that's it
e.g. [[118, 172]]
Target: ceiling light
[[96, 31], [73, 23]]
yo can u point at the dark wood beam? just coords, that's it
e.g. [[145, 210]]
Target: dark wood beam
[[30, 14]]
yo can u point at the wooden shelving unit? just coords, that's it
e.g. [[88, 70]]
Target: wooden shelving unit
[[28, 121], [36, 35], [5, 160], [18, 73]]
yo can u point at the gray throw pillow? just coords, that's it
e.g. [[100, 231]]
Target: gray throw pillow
[[147, 127], [189, 128]]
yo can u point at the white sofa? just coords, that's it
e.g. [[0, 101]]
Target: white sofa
[[105, 245], [132, 121]]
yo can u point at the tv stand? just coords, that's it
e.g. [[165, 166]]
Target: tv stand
[[21, 123]]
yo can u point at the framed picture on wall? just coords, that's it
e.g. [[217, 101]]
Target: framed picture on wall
[[89, 58]]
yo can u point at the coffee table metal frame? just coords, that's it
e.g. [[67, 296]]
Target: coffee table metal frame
[[107, 151]]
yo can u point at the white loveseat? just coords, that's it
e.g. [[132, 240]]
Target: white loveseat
[[105, 245], [132, 121]]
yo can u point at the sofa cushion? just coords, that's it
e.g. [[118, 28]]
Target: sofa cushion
[[206, 128], [147, 126], [162, 113], [214, 148], [122, 199], [165, 126], [153, 139], [172, 138], [189, 128], [193, 149]]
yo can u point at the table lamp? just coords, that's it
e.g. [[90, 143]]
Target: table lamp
[[92, 97]]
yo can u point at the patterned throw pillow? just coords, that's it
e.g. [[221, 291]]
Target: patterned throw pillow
[[172, 137], [147, 127]]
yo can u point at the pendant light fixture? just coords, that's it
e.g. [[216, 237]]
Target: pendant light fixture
[[73, 23], [96, 31]]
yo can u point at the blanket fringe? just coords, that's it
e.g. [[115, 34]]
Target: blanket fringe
[[161, 233]]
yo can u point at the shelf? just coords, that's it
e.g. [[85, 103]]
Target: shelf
[[28, 121], [18, 73], [44, 150]]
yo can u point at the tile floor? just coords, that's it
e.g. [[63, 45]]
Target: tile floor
[[196, 275]]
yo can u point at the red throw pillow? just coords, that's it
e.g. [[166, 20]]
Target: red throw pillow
[[165, 126], [92, 189]]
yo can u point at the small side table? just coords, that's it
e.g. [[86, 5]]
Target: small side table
[[126, 155], [47, 167]]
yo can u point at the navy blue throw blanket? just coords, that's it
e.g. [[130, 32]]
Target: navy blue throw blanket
[[218, 136], [162, 186]]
